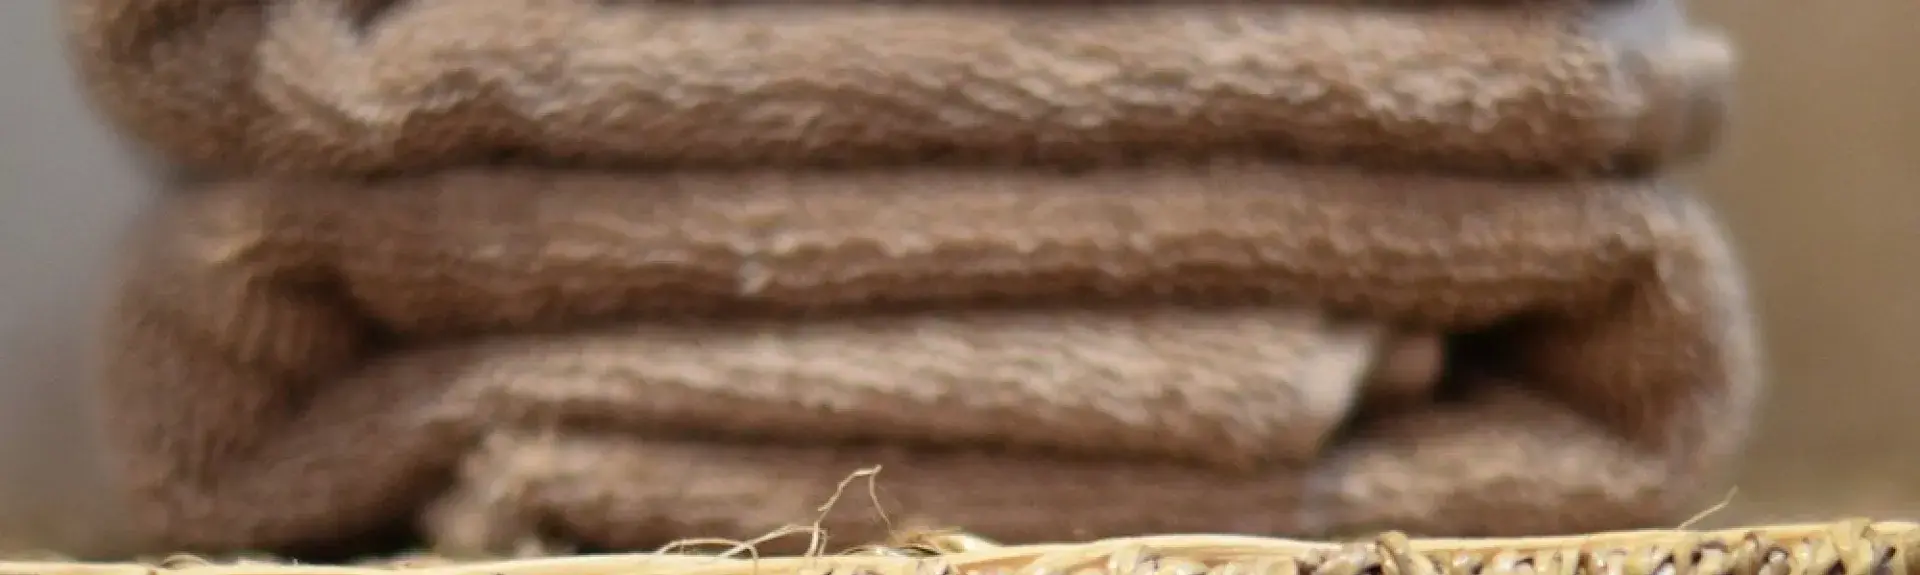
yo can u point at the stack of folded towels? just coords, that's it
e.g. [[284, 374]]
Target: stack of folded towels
[[610, 273]]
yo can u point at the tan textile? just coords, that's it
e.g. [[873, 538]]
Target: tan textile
[[372, 86], [280, 339], [609, 273]]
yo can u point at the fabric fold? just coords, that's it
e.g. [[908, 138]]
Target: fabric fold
[[1227, 386], [353, 87], [1505, 463], [467, 251], [340, 341]]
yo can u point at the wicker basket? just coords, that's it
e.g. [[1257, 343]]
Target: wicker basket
[[1856, 547]]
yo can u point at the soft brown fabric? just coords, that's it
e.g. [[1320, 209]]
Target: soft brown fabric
[[1224, 386], [1509, 462], [576, 272], [300, 363], [374, 86]]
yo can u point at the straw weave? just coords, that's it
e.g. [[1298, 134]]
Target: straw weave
[[1855, 547]]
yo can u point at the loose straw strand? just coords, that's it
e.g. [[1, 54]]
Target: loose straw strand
[[1848, 547], [1852, 547]]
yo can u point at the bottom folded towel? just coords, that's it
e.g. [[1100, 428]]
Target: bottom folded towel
[[1506, 462], [1044, 355]]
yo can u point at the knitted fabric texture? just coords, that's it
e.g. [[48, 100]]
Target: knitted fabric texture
[[369, 86], [1079, 278]]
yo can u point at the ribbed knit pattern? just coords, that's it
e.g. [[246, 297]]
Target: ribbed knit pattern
[[613, 273], [346, 87]]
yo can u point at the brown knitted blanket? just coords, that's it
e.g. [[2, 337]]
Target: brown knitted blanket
[[363, 326]]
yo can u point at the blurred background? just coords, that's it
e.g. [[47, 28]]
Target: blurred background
[[1819, 182]]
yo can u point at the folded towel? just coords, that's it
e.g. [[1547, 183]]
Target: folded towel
[[375, 86], [300, 363], [577, 272]]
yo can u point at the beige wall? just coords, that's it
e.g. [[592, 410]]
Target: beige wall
[[1821, 184]]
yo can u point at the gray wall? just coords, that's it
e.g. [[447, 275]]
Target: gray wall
[[66, 190]]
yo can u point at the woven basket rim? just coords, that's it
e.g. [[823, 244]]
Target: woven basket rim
[[1850, 547]]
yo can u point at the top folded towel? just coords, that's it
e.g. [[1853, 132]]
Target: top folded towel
[[354, 87]]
